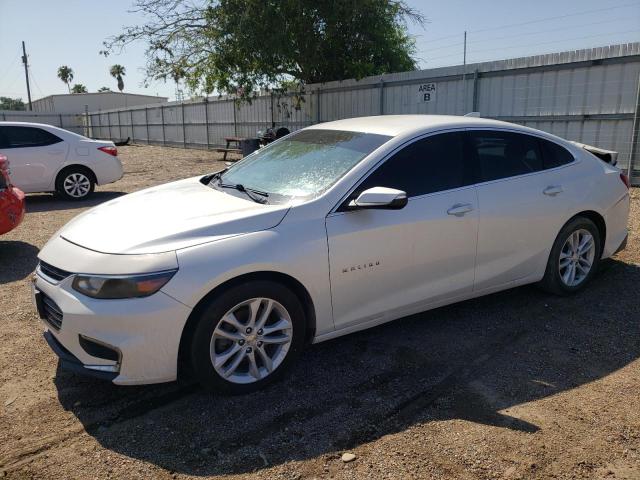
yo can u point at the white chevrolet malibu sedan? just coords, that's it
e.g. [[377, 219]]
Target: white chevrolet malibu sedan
[[45, 158], [329, 230]]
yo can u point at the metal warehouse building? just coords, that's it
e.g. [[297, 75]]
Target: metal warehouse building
[[75, 102]]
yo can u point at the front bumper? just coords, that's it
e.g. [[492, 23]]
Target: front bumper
[[144, 331], [69, 362]]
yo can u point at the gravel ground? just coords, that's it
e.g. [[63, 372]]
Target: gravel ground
[[519, 384]]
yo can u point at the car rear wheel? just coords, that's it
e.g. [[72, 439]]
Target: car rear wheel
[[574, 258], [247, 337], [75, 183]]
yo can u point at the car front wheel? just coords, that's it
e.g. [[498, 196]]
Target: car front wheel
[[247, 337], [574, 258]]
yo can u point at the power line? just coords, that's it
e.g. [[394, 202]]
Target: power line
[[537, 32], [555, 17], [537, 43], [35, 82], [590, 24]]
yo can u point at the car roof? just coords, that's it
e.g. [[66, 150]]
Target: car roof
[[27, 124], [396, 125]]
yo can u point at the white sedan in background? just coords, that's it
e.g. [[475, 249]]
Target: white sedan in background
[[45, 158], [329, 230]]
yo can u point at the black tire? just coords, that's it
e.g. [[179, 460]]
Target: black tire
[[211, 316], [552, 281], [281, 132], [84, 175]]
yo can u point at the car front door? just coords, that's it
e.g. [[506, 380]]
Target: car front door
[[522, 205], [34, 155], [388, 263]]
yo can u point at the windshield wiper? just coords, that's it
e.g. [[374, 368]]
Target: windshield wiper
[[249, 192]]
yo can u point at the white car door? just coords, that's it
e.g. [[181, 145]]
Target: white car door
[[35, 156], [522, 204], [388, 263]]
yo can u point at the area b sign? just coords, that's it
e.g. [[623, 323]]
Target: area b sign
[[427, 92]]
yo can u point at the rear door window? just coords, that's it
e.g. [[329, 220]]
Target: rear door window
[[504, 154], [23, 137]]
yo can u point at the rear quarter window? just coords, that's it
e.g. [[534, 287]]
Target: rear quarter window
[[554, 155]]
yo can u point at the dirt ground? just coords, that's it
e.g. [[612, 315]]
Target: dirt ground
[[519, 384]]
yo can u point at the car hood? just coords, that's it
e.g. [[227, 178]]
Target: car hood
[[172, 216]]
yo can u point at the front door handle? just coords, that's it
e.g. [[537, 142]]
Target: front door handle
[[459, 209], [552, 190]]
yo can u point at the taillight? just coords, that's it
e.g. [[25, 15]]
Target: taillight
[[625, 180], [113, 151], [4, 164]]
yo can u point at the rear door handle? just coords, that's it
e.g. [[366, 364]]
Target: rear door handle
[[552, 190], [459, 209]]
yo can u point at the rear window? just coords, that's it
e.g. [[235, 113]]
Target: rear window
[[23, 137]]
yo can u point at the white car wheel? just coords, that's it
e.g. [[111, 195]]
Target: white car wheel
[[251, 340], [246, 336], [75, 184]]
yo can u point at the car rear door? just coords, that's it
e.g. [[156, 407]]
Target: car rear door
[[35, 155], [522, 205], [389, 263]]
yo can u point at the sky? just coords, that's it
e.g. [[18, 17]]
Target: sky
[[71, 32]]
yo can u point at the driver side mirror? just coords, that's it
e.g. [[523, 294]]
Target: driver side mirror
[[380, 198]]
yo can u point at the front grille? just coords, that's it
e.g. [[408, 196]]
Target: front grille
[[52, 272], [51, 312]]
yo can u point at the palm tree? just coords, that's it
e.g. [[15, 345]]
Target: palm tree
[[79, 88], [104, 89], [117, 72], [66, 75]]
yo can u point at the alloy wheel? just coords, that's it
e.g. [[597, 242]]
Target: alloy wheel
[[576, 257], [77, 185], [251, 340]]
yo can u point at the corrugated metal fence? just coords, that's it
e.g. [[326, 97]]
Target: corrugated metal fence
[[586, 95]]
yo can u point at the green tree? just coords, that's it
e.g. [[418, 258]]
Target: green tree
[[104, 89], [79, 88], [66, 75], [236, 46], [117, 72], [7, 103]]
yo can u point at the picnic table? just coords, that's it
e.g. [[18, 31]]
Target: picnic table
[[233, 146]]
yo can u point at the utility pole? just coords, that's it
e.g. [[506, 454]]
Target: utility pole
[[26, 73], [464, 75]]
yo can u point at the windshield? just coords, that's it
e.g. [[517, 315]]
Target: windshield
[[303, 164]]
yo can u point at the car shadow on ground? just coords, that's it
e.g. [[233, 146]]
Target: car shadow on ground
[[467, 361], [17, 260], [47, 202]]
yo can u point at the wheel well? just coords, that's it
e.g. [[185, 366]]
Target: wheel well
[[596, 218], [294, 285], [76, 167]]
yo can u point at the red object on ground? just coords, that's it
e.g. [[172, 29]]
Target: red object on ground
[[11, 200]]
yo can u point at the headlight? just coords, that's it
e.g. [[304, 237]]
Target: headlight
[[125, 286]]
